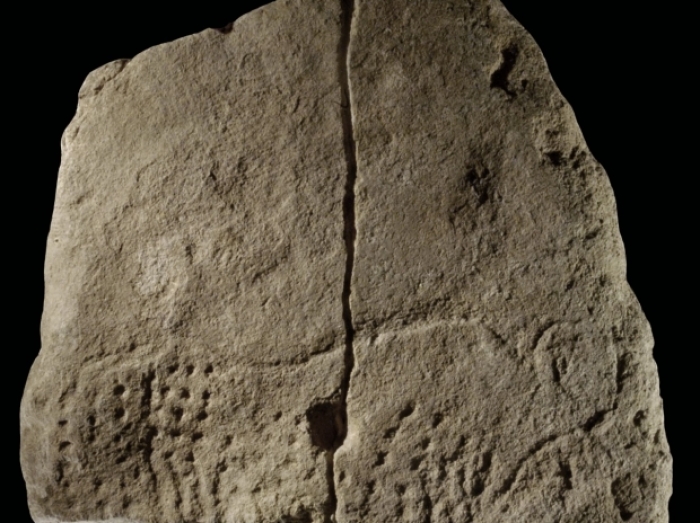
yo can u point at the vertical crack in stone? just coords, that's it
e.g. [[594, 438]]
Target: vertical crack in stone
[[349, 233]]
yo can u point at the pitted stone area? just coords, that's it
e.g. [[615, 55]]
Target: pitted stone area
[[342, 262]]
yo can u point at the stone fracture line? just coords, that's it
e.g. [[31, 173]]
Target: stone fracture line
[[347, 13]]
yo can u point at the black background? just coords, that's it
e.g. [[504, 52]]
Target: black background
[[621, 66]]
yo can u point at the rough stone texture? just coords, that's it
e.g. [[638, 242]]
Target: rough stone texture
[[194, 271], [346, 263]]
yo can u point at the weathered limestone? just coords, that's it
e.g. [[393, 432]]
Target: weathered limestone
[[503, 367], [345, 262], [194, 271]]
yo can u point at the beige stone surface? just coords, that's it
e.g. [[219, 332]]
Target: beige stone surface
[[345, 262], [503, 367], [194, 270]]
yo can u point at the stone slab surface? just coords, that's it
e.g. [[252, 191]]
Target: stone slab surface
[[504, 368], [340, 262], [194, 267]]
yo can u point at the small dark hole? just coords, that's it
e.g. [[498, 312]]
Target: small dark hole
[[324, 425], [178, 412], [477, 487], [499, 78], [555, 158], [380, 459], [406, 412]]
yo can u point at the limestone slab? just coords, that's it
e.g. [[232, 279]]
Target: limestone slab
[[504, 368], [339, 262], [194, 267]]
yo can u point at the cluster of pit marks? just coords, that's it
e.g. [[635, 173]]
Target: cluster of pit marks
[[182, 407], [369, 488], [435, 485], [144, 427], [546, 452]]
